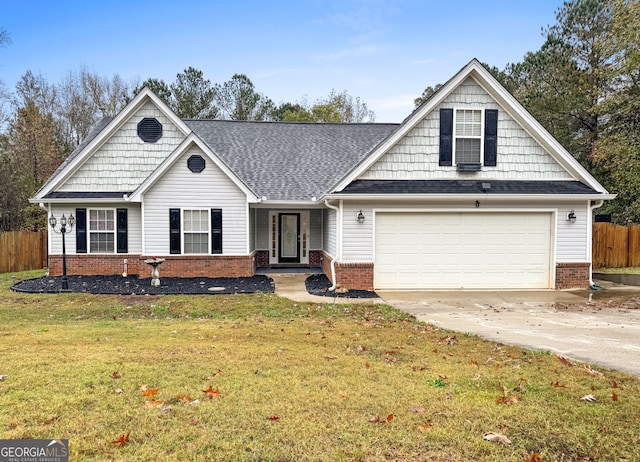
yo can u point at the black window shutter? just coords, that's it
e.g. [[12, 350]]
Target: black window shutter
[[446, 137], [122, 244], [174, 231], [81, 230], [216, 230], [490, 137]]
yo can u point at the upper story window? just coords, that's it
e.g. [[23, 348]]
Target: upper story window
[[468, 136]]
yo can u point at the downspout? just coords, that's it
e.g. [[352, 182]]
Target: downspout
[[338, 240], [592, 207]]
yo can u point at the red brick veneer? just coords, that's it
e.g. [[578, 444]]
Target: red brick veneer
[[356, 275], [173, 266], [572, 275]]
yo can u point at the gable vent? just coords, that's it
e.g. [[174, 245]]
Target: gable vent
[[195, 164], [149, 130]]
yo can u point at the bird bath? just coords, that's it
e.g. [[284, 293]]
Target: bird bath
[[155, 274]]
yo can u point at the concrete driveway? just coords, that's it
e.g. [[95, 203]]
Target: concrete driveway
[[602, 328]]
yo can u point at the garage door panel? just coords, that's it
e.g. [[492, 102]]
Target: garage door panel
[[462, 250]]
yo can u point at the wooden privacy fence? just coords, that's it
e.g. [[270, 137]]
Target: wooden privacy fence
[[615, 246], [23, 250]]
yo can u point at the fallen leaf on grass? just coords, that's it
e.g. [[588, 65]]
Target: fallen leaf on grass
[[184, 397], [214, 375], [565, 361], [274, 418], [614, 384], [614, 396], [508, 400], [150, 392], [497, 437], [417, 409], [589, 398], [124, 439], [377, 419], [329, 357], [118, 391], [211, 393], [535, 457], [558, 385], [153, 403], [51, 420], [424, 426], [116, 375], [2, 377], [592, 371]]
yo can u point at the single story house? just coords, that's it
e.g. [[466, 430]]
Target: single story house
[[468, 192]]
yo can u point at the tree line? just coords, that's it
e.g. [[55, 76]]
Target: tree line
[[583, 85], [46, 122]]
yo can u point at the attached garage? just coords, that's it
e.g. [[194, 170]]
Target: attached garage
[[463, 250]]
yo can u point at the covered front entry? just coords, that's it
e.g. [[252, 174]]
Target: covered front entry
[[470, 250], [289, 237]]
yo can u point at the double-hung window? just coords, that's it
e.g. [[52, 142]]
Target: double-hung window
[[196, 231], [102, 231], [468, 136]]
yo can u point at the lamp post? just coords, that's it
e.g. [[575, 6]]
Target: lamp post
[[64, 221]]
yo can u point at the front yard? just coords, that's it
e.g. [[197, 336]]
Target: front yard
[[260, 378]]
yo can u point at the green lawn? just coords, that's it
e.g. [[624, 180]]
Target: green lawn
[[291, 382]]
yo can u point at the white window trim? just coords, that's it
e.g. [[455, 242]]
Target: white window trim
[[183, 232], [90, 232], [455, 136]]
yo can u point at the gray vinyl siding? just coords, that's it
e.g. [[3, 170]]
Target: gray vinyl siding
[[416, 155], [252, 229], [571, 239], [329, 232], [181, 188], [134, 228], [315, 229], [262, 229]]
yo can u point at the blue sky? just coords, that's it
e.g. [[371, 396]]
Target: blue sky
[[383, 51]]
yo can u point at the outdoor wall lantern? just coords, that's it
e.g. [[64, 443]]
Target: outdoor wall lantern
[[64, 221], [571, 217], [360, 217]]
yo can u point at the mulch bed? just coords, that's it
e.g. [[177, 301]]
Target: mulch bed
[[132, 285], [318, 284]]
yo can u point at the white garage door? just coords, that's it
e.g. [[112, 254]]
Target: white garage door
[[469, 250]]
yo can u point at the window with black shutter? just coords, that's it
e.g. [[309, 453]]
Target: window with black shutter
[[174, 231], [446, 137], [216, 230], [81, 230], [122, 244]]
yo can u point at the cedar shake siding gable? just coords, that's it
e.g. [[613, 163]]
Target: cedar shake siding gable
[[124, 161], [509, 154]]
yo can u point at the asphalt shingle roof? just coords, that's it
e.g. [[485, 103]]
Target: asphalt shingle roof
[[466, 187], [290, 161]]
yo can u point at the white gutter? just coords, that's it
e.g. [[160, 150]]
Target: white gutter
[[596, 205], [338, 241]]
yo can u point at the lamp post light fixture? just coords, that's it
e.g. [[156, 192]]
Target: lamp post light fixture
[[571, 217], [360, 217], [64, 221]]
